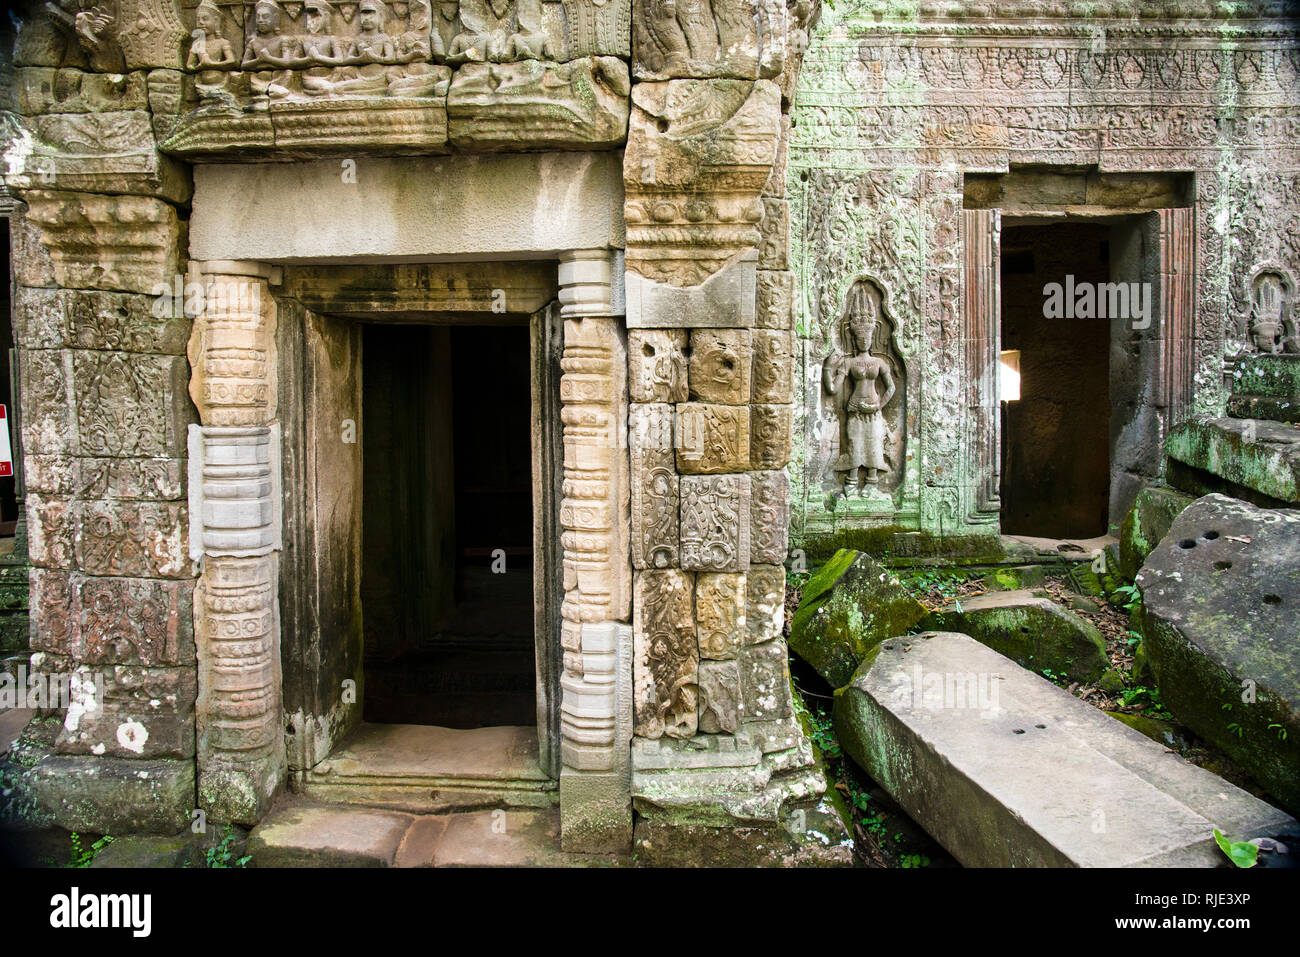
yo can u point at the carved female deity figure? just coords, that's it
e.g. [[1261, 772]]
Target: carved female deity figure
[[1268, 320], [270, 53], [861, 385], [211, 58]]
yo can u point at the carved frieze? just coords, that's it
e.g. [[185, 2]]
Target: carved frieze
[[715, 523], [709, 38], [698, 154], [720, 614], [775, 309], [533, 104], [765, 682], [666, 657], [654, 486]]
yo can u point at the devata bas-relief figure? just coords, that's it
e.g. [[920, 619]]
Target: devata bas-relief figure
[[1272, 324], [861, 381]]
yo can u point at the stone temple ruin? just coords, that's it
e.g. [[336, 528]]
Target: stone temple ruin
[[432, 397]]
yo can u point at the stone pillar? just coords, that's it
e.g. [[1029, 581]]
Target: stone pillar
[[596, 723], [234, 508]]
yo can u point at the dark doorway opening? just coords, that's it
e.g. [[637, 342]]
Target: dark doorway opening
[[447, 578], [1056, 435]]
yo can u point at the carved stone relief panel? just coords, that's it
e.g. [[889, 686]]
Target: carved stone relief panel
[[720, 366], [666, 658], [709, 38], [712, 438], [657, 365], [715, 522], [719, 697], [770, 516], [1272, 323], [720, 614], [654, 486], [764, 603]]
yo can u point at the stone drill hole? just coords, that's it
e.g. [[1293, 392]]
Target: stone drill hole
[[1040, 726], [661, 125], [1018, 731], [1222, 566], [1210, 536], [1272, 599], [1187, 543]]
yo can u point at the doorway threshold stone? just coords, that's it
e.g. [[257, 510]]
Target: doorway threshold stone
[[301, 834], [422, 768]]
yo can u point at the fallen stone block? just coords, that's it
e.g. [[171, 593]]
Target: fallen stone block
[[847, 608], [1220, 600], [1247, 458], [1031, 630], [1004, 769]]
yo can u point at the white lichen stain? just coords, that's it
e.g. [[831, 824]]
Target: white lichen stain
[[132, 735]]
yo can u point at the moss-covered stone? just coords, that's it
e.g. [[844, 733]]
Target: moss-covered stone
[[1161, 732], [1111, 681], [1254, 454], [1220, 596], [1033, 631], [1015, 578], [848, 607], [1148, 521], [1141, 673]]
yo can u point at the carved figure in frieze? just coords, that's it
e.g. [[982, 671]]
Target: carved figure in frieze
[[858, 378], [370, 53], [320, 49], [672, 33], [91, 26], [414, 76], [269, 54], [499, 31], [1273, 326], [211, 59]]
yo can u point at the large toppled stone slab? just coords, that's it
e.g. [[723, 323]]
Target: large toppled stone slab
[[847, 608], [1221, 627], [1148, 521], [1004, 769], [1031, 630], [1243, 457]]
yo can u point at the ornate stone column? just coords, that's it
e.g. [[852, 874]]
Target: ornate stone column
[[235, 533], [596, 720]]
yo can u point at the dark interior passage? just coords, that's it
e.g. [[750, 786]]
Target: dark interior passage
[[446, 586], [1056, 437]]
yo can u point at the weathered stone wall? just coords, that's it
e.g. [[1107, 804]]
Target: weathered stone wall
[[896, 106], [675, 435]]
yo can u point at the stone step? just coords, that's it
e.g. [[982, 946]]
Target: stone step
[[423, 769], [303, 834], [1016, 772]]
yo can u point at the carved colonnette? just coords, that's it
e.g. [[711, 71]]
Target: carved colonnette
[[596, 715], [234, 479], [891, 112]]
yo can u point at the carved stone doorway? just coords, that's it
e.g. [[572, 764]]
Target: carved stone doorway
[[388, 374], [1149, 221]]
